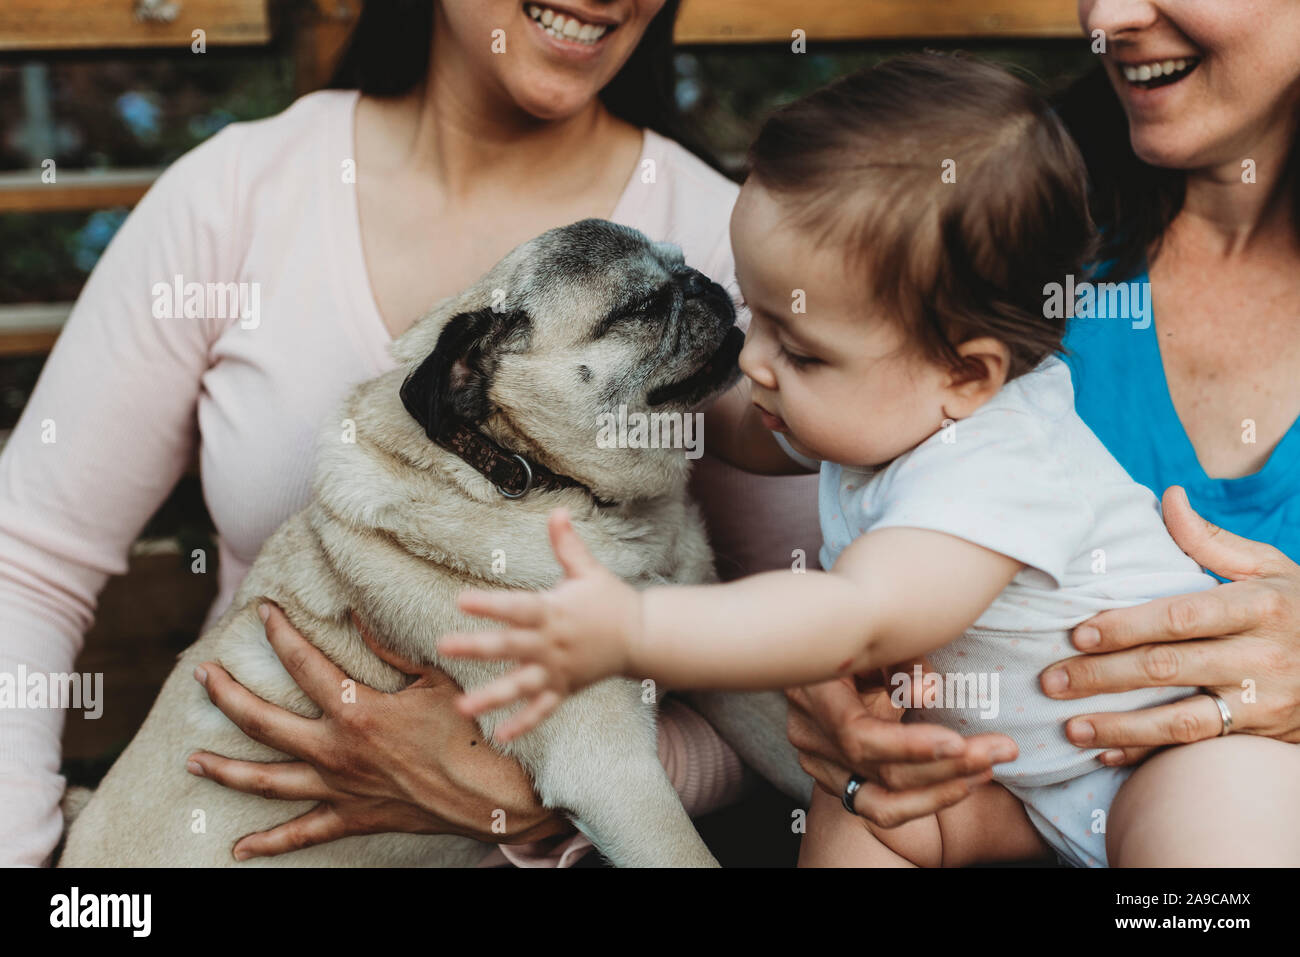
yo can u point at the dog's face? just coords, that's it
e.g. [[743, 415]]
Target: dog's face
[[584, 322]]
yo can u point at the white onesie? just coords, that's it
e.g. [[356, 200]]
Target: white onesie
[[1025, 477]]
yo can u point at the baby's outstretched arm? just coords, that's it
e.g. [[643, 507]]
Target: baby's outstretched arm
[[894, 594]]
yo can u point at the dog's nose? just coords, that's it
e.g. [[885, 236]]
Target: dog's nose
[[694, 283]]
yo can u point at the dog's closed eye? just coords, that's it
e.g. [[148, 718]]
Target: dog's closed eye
[[657, 304]]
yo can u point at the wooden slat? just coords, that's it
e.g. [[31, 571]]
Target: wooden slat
[[757, 21], [99, 24], [23, 192], [26, 343], [31, 328]]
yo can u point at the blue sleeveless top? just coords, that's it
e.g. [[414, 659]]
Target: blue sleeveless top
[[1121, 393]]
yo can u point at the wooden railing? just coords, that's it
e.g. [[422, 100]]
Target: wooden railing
[[758, 21], [112, 24]]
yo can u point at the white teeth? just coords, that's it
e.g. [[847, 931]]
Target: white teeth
[[565, 28], [1155, 69]]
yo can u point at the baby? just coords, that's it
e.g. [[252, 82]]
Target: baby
[[892, 244]]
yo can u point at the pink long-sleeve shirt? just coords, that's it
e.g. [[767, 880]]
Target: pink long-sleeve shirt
[[125, 398]]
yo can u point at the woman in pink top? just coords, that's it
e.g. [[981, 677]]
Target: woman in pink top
[[348, 215]]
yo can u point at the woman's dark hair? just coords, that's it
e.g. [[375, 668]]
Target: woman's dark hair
[[388, 54], [1133, 202], [953, 189]]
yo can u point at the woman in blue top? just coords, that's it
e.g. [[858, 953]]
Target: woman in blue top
[[1188, 373]]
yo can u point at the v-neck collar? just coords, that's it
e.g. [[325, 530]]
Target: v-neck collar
[[1255, 486]]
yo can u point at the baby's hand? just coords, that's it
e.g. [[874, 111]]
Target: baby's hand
[[565, 639]]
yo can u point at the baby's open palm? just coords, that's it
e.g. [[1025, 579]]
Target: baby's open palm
[[564, 639]]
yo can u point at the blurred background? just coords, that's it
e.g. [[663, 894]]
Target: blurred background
[[113, 90]]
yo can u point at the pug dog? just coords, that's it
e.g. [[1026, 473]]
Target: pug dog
[[460, 454]]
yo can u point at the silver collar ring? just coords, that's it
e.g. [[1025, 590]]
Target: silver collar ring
[[528, 480]]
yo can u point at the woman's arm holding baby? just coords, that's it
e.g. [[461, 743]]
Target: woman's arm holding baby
[[774, 630]]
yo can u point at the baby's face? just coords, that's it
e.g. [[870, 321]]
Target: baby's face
[[837, 379]]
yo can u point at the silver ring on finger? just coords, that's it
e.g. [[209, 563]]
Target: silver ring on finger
[[851, 793], [1224, 713]]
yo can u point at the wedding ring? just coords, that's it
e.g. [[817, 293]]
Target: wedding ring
[[1224, 713], [851, 792]]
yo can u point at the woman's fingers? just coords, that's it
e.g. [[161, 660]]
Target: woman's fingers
[[866, 741], [1164, 665], [1224, 610], [827, 720], [259, 719], [893, 808], [887, 807], [521, 683], [1192, 719], [1123, 757], [1222, 552], [862, 738], [320, 825], [522, 608], [569, 548], [311, 671], [982, 753], [909, 770], [530, 717], [282, 781]]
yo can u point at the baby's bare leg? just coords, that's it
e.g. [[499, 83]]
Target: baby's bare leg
[[987, 827], [1225, 802]]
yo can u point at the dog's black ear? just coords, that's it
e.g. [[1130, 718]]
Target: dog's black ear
[[453, 380]]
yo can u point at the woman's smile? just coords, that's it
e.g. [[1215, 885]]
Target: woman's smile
[[569, 33], [1153, 74], [1150, 82]]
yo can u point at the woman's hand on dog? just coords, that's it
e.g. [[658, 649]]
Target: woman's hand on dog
[[1240, 639], [566, 638], [842, 727], [405, 762]]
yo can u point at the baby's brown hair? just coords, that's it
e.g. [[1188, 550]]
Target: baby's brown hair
[[953, 183]]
